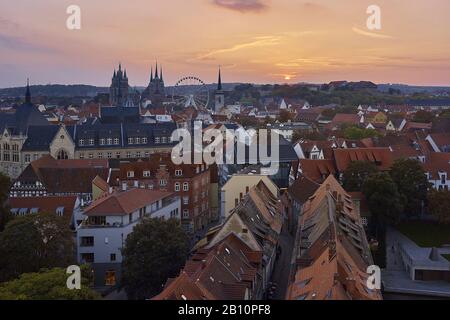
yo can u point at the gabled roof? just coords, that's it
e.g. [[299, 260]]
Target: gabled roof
[[317, 170], [382, 157], [437, 162], [332, 253], [65, 204], [65, 176], [122, 203], [227, 271], [302, 189]]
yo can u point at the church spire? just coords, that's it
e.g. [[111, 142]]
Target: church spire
[[161, 76], [156, 72], [219, 82], [151, 75], [28, 94]]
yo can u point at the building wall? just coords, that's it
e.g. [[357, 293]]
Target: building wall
[[237, 187], [11, 160], [111, 240]]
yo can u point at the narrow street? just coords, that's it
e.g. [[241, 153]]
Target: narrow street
[[282, 268]]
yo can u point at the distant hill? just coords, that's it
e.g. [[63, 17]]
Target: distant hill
[[407, 89], [56, 90], [80, 90]]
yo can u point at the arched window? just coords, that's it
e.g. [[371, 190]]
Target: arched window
[[62, 155]]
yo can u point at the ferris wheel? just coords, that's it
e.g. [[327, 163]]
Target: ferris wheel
[[191, 91]]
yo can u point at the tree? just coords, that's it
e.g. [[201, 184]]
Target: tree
[[5, 214], [47, 285], [307, 135], [384, 200], [356, 174], [284, 116], [155, 251], [423, 116], [33, 242], [355, 133], [439, 205], [412, 184]]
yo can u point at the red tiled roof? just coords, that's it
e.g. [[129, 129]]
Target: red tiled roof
[[45, 204], [437, 162], [382, 157], [124, 202], [317, 170], [223, 272]]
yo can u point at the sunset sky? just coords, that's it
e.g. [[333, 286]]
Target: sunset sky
[[261, 41]]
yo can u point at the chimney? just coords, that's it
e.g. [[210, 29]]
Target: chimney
[[124, 186]]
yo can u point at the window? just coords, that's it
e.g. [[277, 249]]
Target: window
[[81, 142], [100, 155], [164, 140], [185, 213], [91, 142], [27, 158], [109, 141], [118, 155], [62, 155], [130, 140], [128, 155], [144, 140], [116, 141], [81, 155], [185, 186], [178, 173], [138, 140], [157, 140], [109, 155], [130, 174], [102, 141], [365, 221], [113, 257], [91, 156], [87, 241], [185, 200], [177, 186], [87, 257], [110, 278], [138, 154], [163, 182], [146, 174]]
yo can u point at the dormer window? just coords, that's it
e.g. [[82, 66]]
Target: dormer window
[[157, 140], [178, 173], [130, 140], [144, 140], [91, 142], [138, 140], [146, 174], [109, 141], [102, 142], [81, 142], [116, 141], [130, 174]]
